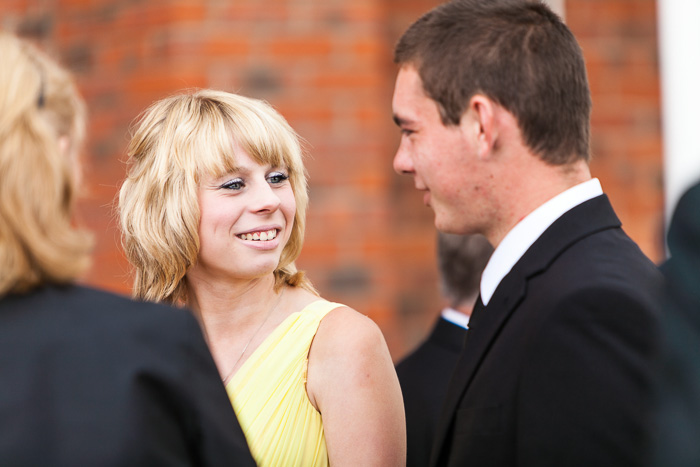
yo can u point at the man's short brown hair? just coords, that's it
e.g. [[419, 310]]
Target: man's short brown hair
[[518, 54]]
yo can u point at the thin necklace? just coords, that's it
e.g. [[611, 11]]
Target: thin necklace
[[279, 299]]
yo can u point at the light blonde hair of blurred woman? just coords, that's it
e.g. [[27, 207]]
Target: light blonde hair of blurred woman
[[178, 140], [42, 125]]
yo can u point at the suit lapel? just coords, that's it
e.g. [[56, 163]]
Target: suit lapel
[[484, 326], [486, 322], [448, 335]]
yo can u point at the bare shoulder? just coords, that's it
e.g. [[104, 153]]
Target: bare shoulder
[[349, 349], [345, 330], [352, 382]]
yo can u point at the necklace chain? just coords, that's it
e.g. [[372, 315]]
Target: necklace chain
[[230, 373]]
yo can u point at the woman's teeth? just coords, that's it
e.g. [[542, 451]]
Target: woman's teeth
[[260, 236]]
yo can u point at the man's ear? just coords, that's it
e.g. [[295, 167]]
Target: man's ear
[[479, 124]]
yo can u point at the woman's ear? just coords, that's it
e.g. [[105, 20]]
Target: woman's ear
[[479, 124], [65, 147]]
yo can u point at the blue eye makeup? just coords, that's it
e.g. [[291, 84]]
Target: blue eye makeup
[[277, 177], [274, 178], [235, 184]]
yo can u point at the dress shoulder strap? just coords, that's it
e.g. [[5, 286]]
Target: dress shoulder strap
[[318, 309]]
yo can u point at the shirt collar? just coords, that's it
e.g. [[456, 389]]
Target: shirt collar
[[455, 317], [527, 231]]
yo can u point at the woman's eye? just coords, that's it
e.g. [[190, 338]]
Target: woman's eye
[[277, 177], [235, 184]]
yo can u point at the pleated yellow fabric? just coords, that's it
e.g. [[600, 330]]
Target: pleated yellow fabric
[[269, 397]]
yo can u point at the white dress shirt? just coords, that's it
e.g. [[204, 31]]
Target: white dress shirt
[[455, 317], [527, 231]]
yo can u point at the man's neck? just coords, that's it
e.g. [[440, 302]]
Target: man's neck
[[526, 232], [523, 194]]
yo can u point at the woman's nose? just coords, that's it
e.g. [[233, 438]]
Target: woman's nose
[[265, 198]]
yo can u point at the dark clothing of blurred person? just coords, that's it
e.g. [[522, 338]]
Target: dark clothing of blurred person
[[425, 373], [424, 376], [679, 373], [92, 378]]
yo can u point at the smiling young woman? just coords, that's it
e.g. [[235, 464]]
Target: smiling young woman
[[213, 213]]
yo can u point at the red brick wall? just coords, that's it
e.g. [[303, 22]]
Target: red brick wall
[[619, 41], [326, 66]]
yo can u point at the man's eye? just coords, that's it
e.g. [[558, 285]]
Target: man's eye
[[406, 132]]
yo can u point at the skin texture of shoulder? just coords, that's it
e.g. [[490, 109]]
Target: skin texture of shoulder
[[353, 384]]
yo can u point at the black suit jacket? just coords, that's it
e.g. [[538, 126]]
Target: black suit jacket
[[556, 370], [92, 378], [424, 376]]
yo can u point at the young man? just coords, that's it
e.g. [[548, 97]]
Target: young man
[[493, 103]]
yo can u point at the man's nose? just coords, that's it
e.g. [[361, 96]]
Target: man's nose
[[402, 161]]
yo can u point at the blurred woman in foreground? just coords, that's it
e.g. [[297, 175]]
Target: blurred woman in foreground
[[88, 377]]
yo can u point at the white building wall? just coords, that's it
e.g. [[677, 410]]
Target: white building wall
[[679, 52]]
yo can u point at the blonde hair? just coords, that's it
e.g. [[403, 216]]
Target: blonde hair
[[178, 140], [42, 125]]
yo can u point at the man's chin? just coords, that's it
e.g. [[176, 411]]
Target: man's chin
[[451, 227], [445, 227]]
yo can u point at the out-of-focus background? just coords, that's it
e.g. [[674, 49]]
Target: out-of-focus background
[[326, 65]]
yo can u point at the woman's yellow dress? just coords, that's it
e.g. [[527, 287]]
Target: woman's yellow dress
[[269, 396]]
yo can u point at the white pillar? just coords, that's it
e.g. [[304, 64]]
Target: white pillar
[[679, 52], [557, 7]]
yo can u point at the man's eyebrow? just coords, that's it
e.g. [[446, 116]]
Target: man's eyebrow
[[400, 121]]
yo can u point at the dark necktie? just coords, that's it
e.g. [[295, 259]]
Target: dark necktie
[[478, 310]]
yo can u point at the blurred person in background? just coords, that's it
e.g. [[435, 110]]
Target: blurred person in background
[[213, 214], [678, 411], [425, 373], [89, 377]]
